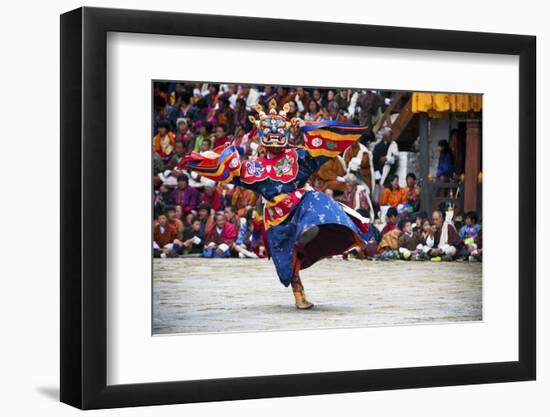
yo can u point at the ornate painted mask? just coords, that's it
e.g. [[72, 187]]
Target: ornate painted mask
[[273, 128]]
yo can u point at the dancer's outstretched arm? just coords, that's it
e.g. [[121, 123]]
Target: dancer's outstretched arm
[[221, 164]]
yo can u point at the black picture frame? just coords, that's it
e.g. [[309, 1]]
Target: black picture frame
[[84, 207]]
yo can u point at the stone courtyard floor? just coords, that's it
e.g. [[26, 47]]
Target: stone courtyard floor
[[196, 295]]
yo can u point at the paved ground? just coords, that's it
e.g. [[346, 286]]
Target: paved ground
[[236, 295]]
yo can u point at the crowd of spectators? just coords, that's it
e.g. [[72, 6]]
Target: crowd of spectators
[[195, 216]]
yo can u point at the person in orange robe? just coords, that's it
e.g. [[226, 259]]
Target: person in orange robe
[[394, 194]]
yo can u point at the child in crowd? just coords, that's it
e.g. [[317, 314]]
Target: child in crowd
[[193, 239], [205, 145], [408, 240], [470, 233], [458, 220], [425, 241], [471, 228], [419, 220], [204, 135]]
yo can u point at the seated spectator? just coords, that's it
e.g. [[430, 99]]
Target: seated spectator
[[313, 113], [419, 221], [458, 220], [357, 196], [476, 253], [177, 156], [188, 220], [164, 237], [220, 239], [206, 218], [241, 140], [183, 108], [241, 115], [389, 242], [206, 145], [471, 228], [193, 238], [471, 235], [391, 221], [212, 196], [389, 245], [232, 217], [412, 192], [221, 137], [393, 195], [224, 115], [425, 240], [204, 133], [408, 240], [447, 241], [164, 141], [184, 196], [184, 135], [172, 216]]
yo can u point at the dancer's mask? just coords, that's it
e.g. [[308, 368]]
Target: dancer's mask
[[273, 127]]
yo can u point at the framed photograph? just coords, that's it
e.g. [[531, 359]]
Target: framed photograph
[[257, 208]]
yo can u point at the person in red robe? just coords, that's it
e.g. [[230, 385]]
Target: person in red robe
[[221, 137], [220, 239], [212, 196]]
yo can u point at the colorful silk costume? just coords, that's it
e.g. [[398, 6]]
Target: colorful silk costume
[[290, 206]]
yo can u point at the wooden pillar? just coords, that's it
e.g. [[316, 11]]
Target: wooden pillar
[[424, 162], [472, 168]]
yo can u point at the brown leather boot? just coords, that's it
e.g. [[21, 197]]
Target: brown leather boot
[[301, 302]]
